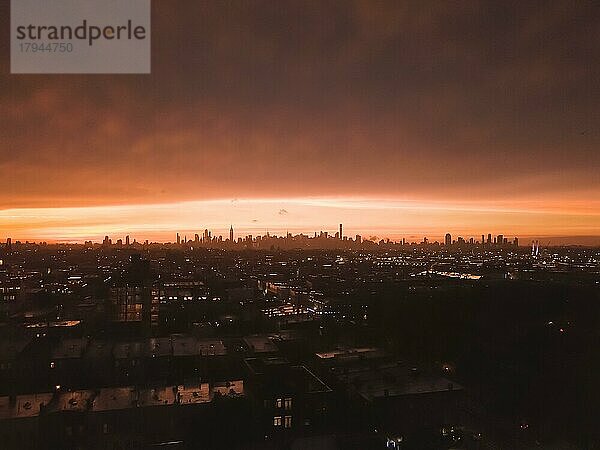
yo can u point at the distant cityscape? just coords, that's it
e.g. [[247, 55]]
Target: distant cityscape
[[317, 240]]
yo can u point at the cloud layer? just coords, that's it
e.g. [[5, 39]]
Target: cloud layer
[[481, 102]]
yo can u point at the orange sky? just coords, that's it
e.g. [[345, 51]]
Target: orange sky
[[395, 118], [368, 217]]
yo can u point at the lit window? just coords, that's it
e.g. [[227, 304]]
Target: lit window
[[278, 403], [52, 365], [287, 423], [277, 421], [287, 403]]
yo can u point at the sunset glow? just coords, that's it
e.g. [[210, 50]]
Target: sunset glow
[[368, 217]]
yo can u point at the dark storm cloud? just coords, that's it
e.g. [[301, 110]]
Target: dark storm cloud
[[471, 100]]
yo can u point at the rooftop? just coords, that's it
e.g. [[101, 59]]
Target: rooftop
[[184, 345], [229, 387], [10, 349], [159, 396], [352, 353], [158, 347], [259, 343], [211, 347], [24, 405], [279, 375], [395, 380], [194, 394], [109, 399], [69, 348], [99, 350], [72, 401], [125, 350]]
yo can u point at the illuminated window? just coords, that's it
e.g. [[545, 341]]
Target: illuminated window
[[287, 421], [52, 365], [278, 403], [277, 421], [287, 403]]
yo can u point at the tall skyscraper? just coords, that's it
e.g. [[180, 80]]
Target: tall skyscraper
[[231, 233], [127, 240], [448, 239], [178, 239], [341, 235]]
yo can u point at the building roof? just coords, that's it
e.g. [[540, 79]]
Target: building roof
[[184, 345], [193, 394], [211, 347], [29, 405], [99, 350], [158, 347], [159, 396], [72, 401], [259, 343], [9, 349], [69, 349], [279, 375], [395, 380], [126, 350], [109, 399], [351, 353], [228, 387]]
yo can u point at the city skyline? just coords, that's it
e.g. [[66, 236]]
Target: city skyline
[[322, 239], [402, 219]]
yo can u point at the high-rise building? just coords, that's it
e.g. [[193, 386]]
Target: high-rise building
[[448, 239], [178, 239], [130, 296], [341, 231], [231, 233]]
